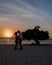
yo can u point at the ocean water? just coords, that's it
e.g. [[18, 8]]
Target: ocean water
[[12, 41]]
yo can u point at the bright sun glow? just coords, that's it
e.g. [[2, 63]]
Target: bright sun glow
[[8, 34]]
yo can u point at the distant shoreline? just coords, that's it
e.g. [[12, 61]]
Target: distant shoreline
[[6, 38]]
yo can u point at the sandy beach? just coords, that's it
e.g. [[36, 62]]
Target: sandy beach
[[30, 55]]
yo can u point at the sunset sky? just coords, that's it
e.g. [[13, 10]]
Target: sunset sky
[[23, 14]]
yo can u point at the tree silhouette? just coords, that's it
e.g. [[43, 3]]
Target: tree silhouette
[[35, 34]]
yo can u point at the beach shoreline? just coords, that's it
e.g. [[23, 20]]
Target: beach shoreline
[[30, 55]]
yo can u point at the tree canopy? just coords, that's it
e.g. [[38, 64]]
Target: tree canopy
[[35, 34]]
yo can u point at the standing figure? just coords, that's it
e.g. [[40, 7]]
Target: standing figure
[[20, 38], [16, 40]]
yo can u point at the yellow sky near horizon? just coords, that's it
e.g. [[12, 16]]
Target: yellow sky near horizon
[[9, 32]]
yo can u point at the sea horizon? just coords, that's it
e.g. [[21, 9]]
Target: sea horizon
[[12, 41]]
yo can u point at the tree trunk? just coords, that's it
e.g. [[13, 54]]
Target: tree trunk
[[37, 42]]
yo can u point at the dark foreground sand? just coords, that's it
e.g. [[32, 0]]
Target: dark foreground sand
[[30, 55]]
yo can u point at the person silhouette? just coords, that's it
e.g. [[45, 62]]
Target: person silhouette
[[18, 39]]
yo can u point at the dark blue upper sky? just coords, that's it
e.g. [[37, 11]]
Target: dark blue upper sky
[[41, 4]]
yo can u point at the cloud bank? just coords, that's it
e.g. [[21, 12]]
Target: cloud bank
[[21, 14]]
